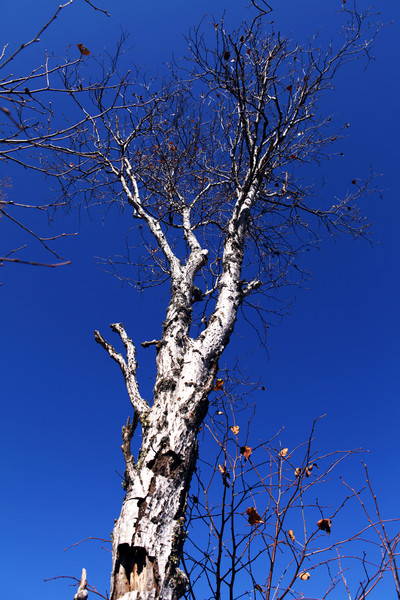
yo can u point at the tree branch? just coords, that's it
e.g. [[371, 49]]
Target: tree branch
[[128, 367]]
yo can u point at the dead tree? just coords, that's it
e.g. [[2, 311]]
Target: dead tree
[[208, 165]]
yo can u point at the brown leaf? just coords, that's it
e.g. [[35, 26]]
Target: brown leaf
[[309, 468], [304, 575], [219, 384], [226, 54], [289, 88], [325, 525], [291, 535], [354, 181], [220, 412], [225, 475], [253, 515], [283, 452], [83, 50], [235, 429], [246, 451], [297, 472]]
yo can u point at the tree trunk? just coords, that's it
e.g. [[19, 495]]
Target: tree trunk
[[149, 534]]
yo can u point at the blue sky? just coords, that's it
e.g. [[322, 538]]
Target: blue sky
[[63, 400]]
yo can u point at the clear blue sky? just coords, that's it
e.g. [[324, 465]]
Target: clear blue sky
[[63, 400]]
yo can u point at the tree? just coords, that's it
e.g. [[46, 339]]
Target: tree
[[208, 162]]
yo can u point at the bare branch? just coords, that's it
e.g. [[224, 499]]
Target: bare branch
[[127, 367]]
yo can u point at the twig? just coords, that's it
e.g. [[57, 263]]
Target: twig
[[85, 540]]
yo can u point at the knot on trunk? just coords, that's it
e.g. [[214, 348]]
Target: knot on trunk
[[165, 464]]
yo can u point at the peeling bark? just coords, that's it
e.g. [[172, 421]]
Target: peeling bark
[[149, 534]]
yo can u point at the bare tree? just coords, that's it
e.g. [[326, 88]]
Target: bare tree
[[268, 521], [208, 165]]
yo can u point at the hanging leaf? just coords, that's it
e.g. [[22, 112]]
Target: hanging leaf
[[226, 54], [220, 412], [253, 515], [309, 468], [283, 452], [219, 384], [354, 181], [297, 472], [289, 88], [291, 535], [225, 475], [304, 575], [246, 451], [83, 50], [235, 429], [325, 525]]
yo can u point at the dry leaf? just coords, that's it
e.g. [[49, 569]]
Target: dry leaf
[[246, 451], [309, 468], [225, 475], [283, 452], [297, 472], [226, 55], [291, 535], [304, 575], [83, 50], [253, 515], [220, 412], [235, 429], [325, 525], [219, 384]]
